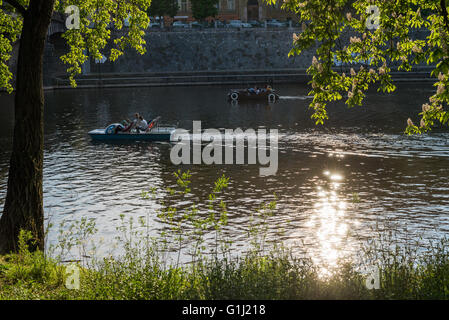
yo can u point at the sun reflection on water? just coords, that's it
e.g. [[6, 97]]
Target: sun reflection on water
[[329, 224]]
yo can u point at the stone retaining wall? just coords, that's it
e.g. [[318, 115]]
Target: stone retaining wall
[[195, 51]]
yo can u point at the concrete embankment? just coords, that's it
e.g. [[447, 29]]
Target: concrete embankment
[[249, 77], [244, 78]]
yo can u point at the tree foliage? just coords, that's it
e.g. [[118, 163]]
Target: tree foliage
[[94, 27], [101, 22], [380, 39], [10, 27], [201, 9], [98, 19], [160, 8]]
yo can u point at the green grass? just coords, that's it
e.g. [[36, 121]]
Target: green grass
[[140, 275]]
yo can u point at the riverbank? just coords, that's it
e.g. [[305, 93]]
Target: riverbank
[[150, 268], [139, 274]]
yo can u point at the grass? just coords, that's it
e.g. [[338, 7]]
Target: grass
[[252, 277], [266, 271]]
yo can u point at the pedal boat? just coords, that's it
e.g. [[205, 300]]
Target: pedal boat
[[158, 133], [247, 94]]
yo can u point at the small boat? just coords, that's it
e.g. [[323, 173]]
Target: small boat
[[157, 134], [114, 132], [267, 94]]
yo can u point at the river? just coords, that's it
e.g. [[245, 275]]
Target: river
[[360, 153]]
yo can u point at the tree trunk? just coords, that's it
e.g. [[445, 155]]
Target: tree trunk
[[24, 201]]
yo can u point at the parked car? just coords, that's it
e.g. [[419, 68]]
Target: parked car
[[273, 23], [238, 24], [255, 23], [199, 25], [180, 24], [156, 25], [220, 24]]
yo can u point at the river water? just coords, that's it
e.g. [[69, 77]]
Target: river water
[[361, 153]]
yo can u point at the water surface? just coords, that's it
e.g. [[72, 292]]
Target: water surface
[[359, 153]]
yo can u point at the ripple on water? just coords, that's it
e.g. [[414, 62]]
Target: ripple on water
[[396, 179]]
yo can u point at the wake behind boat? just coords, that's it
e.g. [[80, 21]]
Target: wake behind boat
[[118, 132]]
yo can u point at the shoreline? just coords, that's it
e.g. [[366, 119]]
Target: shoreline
[[209, 78]]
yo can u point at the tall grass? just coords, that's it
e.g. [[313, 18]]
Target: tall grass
[[155, 267]]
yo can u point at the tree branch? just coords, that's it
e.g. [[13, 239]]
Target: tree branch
[[444, 13], [21, 9]]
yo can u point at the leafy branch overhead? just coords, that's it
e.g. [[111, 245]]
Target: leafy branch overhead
[[338, 31], [326, 27], [11, 22], [98, 18], [97, 21]]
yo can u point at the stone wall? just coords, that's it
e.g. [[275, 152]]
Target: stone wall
[[256, 49], [193, 51]]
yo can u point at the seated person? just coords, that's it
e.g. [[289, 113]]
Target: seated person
[[119, 128], [128, 124], [141, 125], [125, 126], [252, 90], [135, 121]]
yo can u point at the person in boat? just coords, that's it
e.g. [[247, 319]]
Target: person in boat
[[252, 90], [128, 124], [121, 127], [267, 89], [136, 120], [141, 125]]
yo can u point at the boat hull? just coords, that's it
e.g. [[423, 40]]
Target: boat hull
[[244, 95], [154, 135]]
